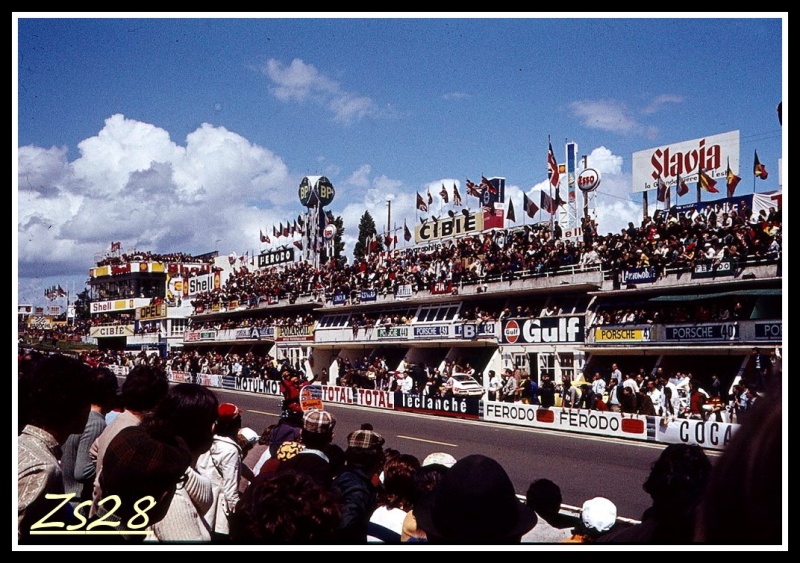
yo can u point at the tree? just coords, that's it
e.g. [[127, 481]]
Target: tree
[[366, 231], [81, 304]]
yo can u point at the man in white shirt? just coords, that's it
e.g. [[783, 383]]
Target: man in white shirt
[[598, 388], [495, 384]]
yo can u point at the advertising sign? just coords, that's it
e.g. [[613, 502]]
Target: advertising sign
[[278, 256], [712, 154], [546, 330], [717, 331], [622, 334], [449, 227]]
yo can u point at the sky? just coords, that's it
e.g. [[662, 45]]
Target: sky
[[192, 134]]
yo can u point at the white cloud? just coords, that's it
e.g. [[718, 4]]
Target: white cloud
[[608, 115], [660, 101], [302, 82]]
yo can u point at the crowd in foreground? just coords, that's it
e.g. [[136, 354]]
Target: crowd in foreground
[[174, 465]]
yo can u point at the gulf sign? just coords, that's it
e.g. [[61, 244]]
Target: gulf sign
[[712, 154], [546, 330]]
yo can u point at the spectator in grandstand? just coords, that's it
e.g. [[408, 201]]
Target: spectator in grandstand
[[474, 503], [741, 503], [58, 398], [143, 389], [544, 497], [395, 499], [287, 508], [356, 484], [186, 418], [77, 466], [676, 483]]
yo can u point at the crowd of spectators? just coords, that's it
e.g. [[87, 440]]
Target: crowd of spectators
[[677, 241]]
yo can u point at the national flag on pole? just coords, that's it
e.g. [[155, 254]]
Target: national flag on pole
[[530, 206], [300, 221], [510, 215], [329, 218], [280, 229], [758, 168], [275, 232], [443, 193], [487, 185], [266, 239], [60, 291], [406, 232], [456, 196], [662, 190], [548, 203], [298, 244], [552, 165], [473, 189], [421, 205], [286, 230], [706, 182], [261, 235], [430, 197], [682, 189], [731, 180], [115, 246]]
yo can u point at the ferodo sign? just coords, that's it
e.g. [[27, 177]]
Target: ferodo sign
[[547, 330]]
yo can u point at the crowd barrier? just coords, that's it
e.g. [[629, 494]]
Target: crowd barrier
[[667, 430]]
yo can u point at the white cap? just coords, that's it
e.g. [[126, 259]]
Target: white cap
[[599, 513]]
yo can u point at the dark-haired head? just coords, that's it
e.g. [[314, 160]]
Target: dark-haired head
[[189, 412], [143, 388]]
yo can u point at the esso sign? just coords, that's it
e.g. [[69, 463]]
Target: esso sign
[[588, 180], [511, 332], [329, 232]]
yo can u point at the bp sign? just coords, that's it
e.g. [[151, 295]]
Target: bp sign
[[316, 190]]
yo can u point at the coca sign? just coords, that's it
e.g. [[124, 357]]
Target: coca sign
[[588, 180]]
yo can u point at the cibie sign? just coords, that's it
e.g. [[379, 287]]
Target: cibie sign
[[588, 180]]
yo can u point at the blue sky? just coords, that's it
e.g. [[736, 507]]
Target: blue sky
[[192, 134]]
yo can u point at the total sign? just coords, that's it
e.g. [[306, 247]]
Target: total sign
[[546, 330]]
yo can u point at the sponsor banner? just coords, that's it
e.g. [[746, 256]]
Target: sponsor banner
[[300, 332], [311, 397], [207, 379], [117, 305], [261, 386], [461, 407], [442, 287], [39, 311], [199, 335], [547, 330], [404, 291], [39, 322], [272, 299], [339, 298], [576, 420], [273, 257], [111, 331], [54, 310], [25, 309], [152, 312], [368, 295], [201, 284], [713, 154], [622, 334], [724, 268], [375, 398], [639, 275], [180, 376], [333, 394], [769, 331], [227, 381], [717, 331], [432, 331], [392, 332], [255, 333], [449, 227], [120, 371], [471, 330], [714, 435]]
